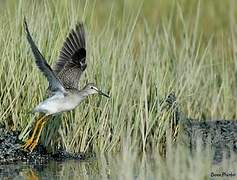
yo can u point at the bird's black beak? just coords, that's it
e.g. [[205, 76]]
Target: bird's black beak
[[103, 94]]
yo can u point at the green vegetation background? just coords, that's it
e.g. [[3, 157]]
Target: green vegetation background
[[138, 51]]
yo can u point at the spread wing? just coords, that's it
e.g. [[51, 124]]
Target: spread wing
[[54, 83], [71, 62]]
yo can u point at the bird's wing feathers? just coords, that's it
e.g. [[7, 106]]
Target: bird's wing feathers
[[71, 62], [54, 83]]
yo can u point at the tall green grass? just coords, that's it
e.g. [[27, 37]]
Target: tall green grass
[[138, 51]]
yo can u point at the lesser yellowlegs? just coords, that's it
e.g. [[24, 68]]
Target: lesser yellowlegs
[[64, 94]]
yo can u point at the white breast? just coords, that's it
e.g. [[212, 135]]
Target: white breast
[[58, 103]]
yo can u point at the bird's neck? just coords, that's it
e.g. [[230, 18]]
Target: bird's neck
[[78, 98], [83, 93]]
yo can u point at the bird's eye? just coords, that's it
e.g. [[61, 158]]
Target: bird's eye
[[92, 87]]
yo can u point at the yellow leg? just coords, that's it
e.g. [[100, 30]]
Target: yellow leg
[[35, 142], [29, 141]]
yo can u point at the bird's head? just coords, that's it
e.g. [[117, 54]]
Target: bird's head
[[92, 89]]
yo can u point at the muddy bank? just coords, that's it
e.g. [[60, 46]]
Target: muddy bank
[[11, 151], [219, 135]]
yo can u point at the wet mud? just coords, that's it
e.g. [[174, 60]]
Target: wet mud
[[218, 135], [12, 152]]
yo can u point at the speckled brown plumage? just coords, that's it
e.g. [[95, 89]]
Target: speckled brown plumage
[[71, 62]]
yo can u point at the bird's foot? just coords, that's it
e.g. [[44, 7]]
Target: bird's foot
[[35, 142], [33, 145], [27, 143]]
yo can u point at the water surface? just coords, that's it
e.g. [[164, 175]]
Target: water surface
[[70, 169]]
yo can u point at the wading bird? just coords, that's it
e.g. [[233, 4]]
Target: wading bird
[[64, 94]]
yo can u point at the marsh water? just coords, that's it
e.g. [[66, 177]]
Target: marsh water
[[121, 167], [69, 169]]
